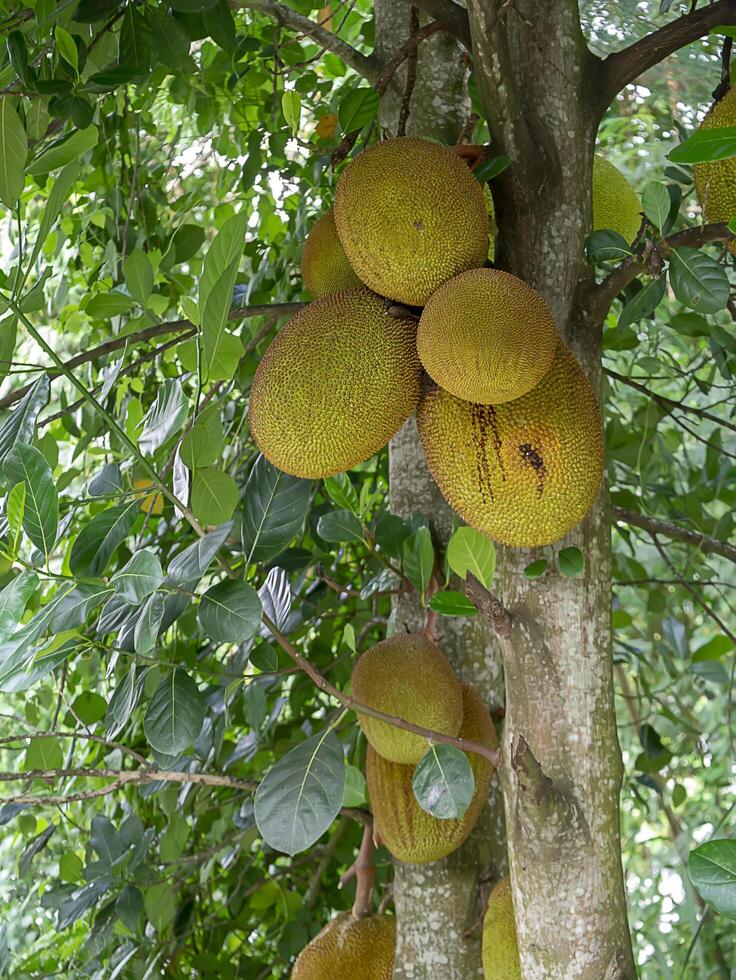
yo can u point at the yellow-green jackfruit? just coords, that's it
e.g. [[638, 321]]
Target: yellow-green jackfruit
[[525, 472], [485, 336], [410, 833], [409, 677], [335, 385], [350, 949], [616, 204], [410, 215], [716, 182], [500, 949], [325, 266]]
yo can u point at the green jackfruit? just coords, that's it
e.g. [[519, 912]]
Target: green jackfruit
[[525, 472], [325, 266], [407, 676], [410, 215], [335, 385], [616, 204], [500, 948], [716, 182], [349, 948], [485, 336], [410, 833]]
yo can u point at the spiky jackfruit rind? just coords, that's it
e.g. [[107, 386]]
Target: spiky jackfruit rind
[[485, 336], [350, 948], [616, 204], [335, 385], [410, 833], [325, 266], [410, 215], [525, 472], [407, 676], [500, 947], [715, 182]]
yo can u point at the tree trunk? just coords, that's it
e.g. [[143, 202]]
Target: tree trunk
[[437, 903]]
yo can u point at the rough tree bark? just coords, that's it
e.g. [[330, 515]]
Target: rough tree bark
[[437, 903]]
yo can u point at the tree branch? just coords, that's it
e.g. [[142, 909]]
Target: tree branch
[[454, 17], [490, 606], [650, 261], [365, 875], [620, 69], [368, 66], [703, 542], [670, 404]]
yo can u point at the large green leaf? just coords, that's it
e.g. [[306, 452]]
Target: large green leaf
[[97, 541], [165, 416], [216, 286], [230, 612], [698, 281], [712, 869], [274, 508], [706, 145], [25, 464], [13, 152], [61, 153], [175, 714], [443, 782], [214, 495], [13, 601], [139, 577], [418, 558], [20, 425], [470, 551], [301, 794]]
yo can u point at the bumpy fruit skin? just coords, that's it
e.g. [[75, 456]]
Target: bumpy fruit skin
[[409, 676], [410, 833], [410, 215], [349, 949], [486, 336], [325, 266], [525, 472], [500, 949], [616, 204], [335, 385], [716, 182]]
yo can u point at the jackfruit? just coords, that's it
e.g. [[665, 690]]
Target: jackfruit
[[410, 215], [410, 833], [525, 472], [335, 385], [716, 182], [485, 336], [500, 948], [325, 266], [356, 949], [407, 676], [616, 204]]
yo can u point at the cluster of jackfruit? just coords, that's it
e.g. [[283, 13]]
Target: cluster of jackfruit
[[715, 182], [407, 317], [409, 677]]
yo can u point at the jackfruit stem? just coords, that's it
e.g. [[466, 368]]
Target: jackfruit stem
[[365, 876]]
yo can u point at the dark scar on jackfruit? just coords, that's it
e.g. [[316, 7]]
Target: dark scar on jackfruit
[[532, 457], [484, 425]]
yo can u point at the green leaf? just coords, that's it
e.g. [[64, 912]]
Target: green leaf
[[62, 152], [175, 714], [219, 23], [214, 495], [205, 441], [274, 508], [301, 794], [89, 707], [342, 492], [66, 47], [470, 551], [129, 907], [192, 563], [8, 337], [536, 568], [571, 562], [148, 624], [712, 870], [291, 105], [491, 168], [104, 305], [13, 152], [139, 275], [172, 41], [443, 782], [358, 108], [70, 867], [644, 302], [139, 577], [97, 542], [13, 601], [706, 145], [43, 753], [354, 793], [20, 425], [160, 905], [15, 508], [230, 612], [216, 285], [59, 195], [339, 526], [698, 281], [74, 608], [449, 603], [606, 246], [418, 559], [390, 533], [136, 43], [166, 416], [41, 512], [656, 203]]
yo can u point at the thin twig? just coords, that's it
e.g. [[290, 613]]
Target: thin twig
[[703, 542], [669, 403]]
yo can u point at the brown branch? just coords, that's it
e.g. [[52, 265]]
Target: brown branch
[[365, 876], [148, 333], [490, 606], [668, 403], [703, 542], [85, 736], [466, 745], [411, 73], [452, 15], [603, 295], [620, 69]]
